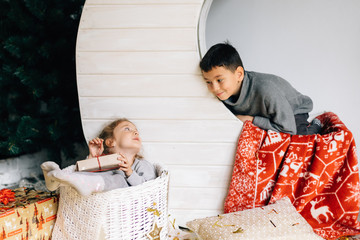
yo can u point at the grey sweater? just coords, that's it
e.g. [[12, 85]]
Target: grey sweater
[[271, 100], [143, 171]]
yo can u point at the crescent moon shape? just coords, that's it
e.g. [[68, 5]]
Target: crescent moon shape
[[139, 59]]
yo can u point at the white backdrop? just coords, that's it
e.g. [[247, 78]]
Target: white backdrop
[[314, 44]]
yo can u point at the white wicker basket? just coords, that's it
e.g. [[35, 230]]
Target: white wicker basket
[[124, 213]]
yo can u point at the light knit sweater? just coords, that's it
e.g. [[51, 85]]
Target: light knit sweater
[[143, 171]]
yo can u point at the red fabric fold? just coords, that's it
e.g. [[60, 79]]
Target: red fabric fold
[[319, 173]]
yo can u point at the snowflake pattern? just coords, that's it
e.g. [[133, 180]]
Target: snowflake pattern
[[354, 190], [321, 165]]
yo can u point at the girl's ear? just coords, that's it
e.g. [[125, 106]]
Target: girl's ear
[[109, 142]]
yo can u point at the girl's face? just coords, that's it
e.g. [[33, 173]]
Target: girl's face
[[126, 137]]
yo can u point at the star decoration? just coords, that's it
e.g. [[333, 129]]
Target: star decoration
[[154, 234], [338, 179]]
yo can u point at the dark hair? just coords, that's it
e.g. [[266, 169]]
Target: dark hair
[[221, 55], [108, 132]]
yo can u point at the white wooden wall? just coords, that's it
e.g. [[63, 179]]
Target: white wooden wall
[[139, 59]]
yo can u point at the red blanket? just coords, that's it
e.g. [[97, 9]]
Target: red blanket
[[319, 173]]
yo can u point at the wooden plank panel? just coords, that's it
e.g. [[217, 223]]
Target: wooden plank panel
[[142, 85], [153, 108], [164, 39], [148, 2], [197, 198], [138, 62], [139, 16], [209, 154], [176, 131], [200, 176]]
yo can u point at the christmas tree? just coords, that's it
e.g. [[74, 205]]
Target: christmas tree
[[38, 95]]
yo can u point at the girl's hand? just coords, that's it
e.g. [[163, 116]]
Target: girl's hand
[[96, 147], [244, 118], [125, 165]]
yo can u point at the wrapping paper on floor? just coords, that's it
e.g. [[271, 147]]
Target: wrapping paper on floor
[[319, 173]]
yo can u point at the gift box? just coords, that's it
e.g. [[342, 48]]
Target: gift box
[[98, 164], [27, 214]]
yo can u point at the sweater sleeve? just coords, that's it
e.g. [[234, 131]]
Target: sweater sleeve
[[143, 171], [282, 117]]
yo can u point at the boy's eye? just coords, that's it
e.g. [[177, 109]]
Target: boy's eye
[[220, 80], [127, 129]]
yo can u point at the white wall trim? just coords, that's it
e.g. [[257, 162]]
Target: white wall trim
[[202, 27]]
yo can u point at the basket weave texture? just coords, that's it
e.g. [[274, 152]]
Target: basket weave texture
[[124, 213]]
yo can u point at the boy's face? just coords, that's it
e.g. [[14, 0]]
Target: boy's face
[[224, 83], [126, 137]]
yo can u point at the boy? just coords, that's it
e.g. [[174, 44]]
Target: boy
[[268, 101]]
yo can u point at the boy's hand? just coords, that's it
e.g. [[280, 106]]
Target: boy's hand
[[96, 147], [244, 118], [125, 165]]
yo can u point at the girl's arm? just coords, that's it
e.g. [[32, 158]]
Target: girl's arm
[[143, 171], [96, 147]]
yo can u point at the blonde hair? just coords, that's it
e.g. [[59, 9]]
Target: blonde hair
[[108, 133]]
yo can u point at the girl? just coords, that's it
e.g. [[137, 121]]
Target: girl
[[121, 137]]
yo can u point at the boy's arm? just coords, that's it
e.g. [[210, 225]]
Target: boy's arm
[[244, 118], [282, 116]]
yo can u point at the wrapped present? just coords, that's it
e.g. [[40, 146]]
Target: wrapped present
[[98, 164], [27, 214]]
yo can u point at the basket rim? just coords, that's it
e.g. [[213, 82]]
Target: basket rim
[[163, 176]]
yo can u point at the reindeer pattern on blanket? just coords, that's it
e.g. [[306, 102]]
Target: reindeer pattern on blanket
[[319, 173]]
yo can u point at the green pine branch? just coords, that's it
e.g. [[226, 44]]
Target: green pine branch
[[38, 96]]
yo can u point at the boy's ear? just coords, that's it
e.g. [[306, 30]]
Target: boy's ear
[[239, 73]]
